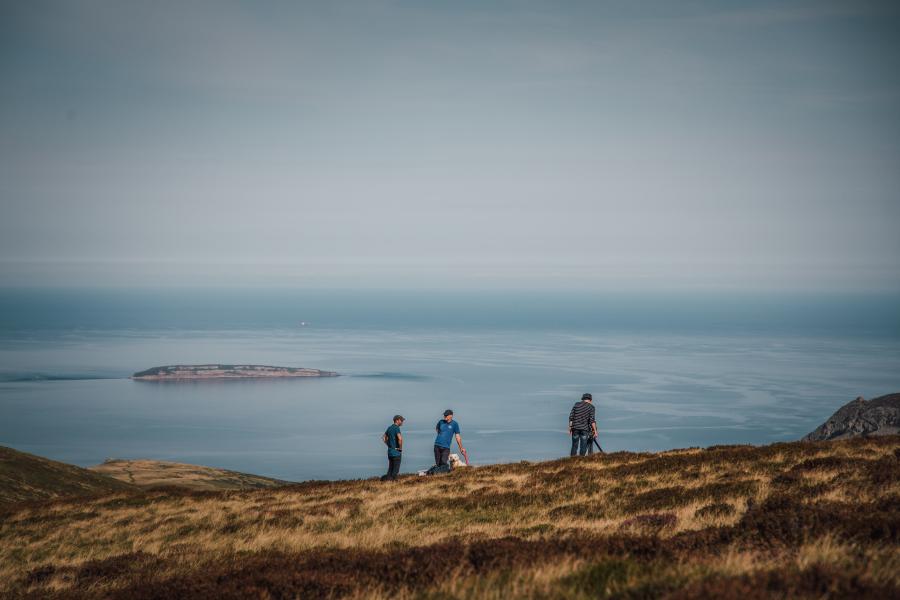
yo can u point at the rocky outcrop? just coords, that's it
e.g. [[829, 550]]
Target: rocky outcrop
[[880, 416]]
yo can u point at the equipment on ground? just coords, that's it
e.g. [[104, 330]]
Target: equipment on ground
[[438, 470]]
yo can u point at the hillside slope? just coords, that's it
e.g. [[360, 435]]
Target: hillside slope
[[25, 476], [804, 520], [158, 473]]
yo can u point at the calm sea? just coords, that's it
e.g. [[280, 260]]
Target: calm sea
[[666, 371]]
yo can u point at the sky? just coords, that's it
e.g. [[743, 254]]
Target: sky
[[467, 144]]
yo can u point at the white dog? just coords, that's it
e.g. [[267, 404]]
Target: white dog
[[456, 461]]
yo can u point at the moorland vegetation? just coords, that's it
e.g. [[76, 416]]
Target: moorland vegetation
[[802, 519], [25, 477]]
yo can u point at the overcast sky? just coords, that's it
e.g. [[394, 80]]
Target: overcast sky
[[602, 145]]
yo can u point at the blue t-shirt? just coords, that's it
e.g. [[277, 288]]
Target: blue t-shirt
[[392, 432], [446, 431]]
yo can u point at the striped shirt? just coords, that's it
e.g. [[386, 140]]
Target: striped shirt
[[582, 416]]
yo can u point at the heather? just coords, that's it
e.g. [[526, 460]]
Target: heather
[[804, 519]]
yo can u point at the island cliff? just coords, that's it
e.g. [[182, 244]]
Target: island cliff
[[181, 372]]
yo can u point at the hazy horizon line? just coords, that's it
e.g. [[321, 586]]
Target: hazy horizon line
[[611, 275]]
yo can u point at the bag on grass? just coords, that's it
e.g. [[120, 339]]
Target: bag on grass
[[438, 470]]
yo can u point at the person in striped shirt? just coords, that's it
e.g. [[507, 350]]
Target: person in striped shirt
[[583, 426]]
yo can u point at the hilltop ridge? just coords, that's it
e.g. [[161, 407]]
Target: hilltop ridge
[[799, 519]]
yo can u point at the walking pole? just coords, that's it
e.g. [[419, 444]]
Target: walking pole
[[596, 443], [464, 453]]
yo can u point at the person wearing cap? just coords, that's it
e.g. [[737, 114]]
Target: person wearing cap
[[393, 439], [583, 426], [446, 430]]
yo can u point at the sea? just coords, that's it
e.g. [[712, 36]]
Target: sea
[[666, 371]]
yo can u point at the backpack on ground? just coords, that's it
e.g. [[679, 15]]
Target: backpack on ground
[[438, 470]]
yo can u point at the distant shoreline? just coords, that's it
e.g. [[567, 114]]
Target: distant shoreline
[[218, 371]]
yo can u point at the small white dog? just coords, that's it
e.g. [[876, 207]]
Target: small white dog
[[456, 461]]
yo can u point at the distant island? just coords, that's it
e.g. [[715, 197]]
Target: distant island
[[181, 372]]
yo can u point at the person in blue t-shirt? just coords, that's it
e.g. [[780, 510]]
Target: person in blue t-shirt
[[393, 439], [446, 430]]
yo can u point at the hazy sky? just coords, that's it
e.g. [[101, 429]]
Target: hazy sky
[[603, 145]]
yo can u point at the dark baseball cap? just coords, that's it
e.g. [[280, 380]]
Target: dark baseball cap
[[448, 412], [587, 397], [399, 418]]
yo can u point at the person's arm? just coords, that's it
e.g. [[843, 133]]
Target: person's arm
[[458, 437], [384, 438], [571, 419], [399, 442], [593, 420]]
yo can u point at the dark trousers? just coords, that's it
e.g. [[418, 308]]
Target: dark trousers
[[393, 468], [441, 455], [582, 442]]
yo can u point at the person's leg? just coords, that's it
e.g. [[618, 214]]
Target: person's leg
[[444, 456], [395, 467], [387, 475], [583, 443], [437, 455], [574, 444], [590, 443]]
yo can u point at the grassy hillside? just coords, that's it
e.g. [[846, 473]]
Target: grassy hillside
[[27, 477], [816, 520], [158, 473]]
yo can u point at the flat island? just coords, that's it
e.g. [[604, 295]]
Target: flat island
[[182, 372]]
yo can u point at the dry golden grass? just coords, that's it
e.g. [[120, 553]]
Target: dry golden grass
[[800, 519], [157, 473]]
